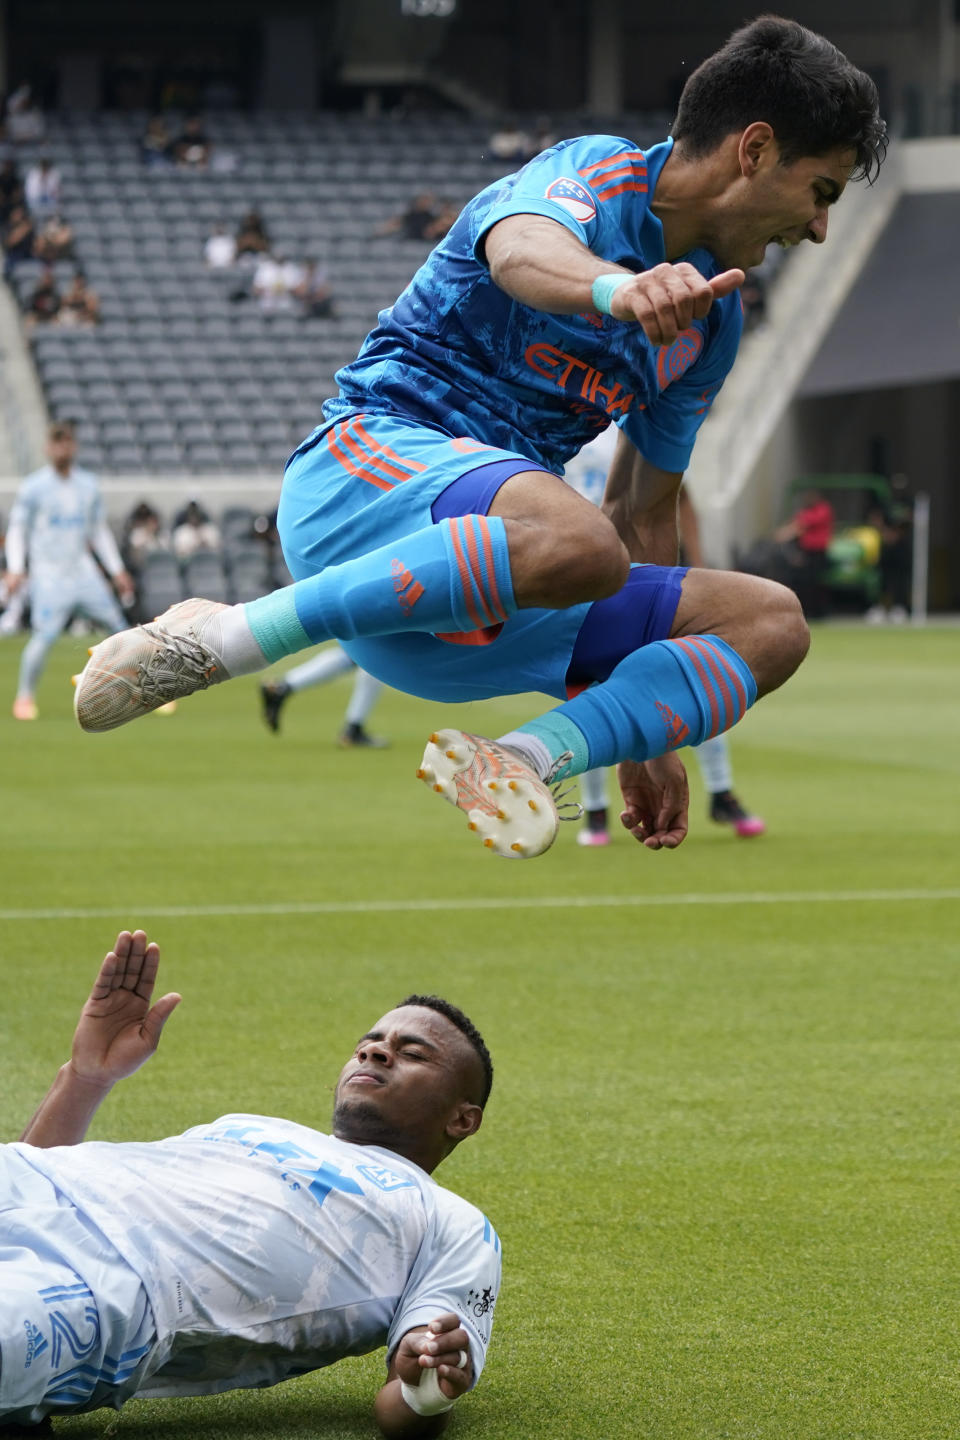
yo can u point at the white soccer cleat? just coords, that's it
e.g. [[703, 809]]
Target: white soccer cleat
[[136, 671], [506, 803]]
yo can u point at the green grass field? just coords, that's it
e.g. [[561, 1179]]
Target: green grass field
[[722, 1148]]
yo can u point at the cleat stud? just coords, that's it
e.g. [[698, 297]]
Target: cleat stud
[[434, 738], [421, 773], [89, 649], [518, 847], [532, 804], [472, 825], [512, 785], [73, 680], [439, 789], [489, 843], [501, 814], [451, 754], [492, 785]]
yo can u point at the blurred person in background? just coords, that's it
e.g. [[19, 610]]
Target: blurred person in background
[[193, 531], [54, 240], [56, 520], [220, 249], [11, 189], [804, 540], [79, 305], [252, 237], [155, 144], [43, 305], [894, 524], [332, 662], [18, 238], [41, 189]]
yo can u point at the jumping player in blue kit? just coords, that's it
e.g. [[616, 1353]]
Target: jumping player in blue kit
[[424, 521]]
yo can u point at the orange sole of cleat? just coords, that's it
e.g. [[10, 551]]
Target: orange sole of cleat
[[521, 822]]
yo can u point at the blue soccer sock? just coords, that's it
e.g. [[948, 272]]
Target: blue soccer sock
[[663, 696], [449, 577]]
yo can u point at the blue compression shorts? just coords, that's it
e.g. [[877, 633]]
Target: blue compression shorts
[[358, 483]]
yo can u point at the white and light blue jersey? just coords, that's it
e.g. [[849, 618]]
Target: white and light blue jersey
[[456, 352], [268, 1249], [55, 520]]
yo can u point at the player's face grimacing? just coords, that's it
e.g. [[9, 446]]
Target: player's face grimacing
[[412, 1085], [783, 204]]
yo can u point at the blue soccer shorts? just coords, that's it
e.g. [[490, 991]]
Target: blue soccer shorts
[[359, 482]]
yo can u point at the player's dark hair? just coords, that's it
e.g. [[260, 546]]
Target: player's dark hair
[[465, 1026], [798, 82]]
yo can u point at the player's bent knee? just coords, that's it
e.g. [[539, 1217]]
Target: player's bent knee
[[555, 566], [781, 637]]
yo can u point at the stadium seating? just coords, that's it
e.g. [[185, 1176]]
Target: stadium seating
[[180, 377]]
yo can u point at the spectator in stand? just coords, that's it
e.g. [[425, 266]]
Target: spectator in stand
[[442, 221], [252, 238], [192, 149], [314, 293], [11, 189], [804, 541], [41, 189], [54, 240], [193, 531], [79, 305], [25, 122], [511, 144], [143, 535], [19, 238], [44, 304], [220, 249], [414, 222], [275, 282], [155, 144]]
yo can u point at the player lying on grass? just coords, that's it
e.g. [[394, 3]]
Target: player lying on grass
[[249, 1249], [425, 521]]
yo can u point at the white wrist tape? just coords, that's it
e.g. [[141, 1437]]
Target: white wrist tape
[[426, 1398]]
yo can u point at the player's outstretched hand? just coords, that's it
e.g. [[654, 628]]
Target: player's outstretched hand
[[668, 298], [118, 1030], [440, 1347], [656, 800]]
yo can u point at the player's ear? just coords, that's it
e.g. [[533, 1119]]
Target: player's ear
[[465, 1120], [758, 145]]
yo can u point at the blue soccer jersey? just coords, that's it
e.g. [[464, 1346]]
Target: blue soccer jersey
[[457, 353]]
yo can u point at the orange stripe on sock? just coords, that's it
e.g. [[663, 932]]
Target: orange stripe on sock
[[627, 185], [736, 695], [351, 467], [710, 657], [487, 538], [705, 681], [465, 581], [379, 447], [618, 159], [473, 551]]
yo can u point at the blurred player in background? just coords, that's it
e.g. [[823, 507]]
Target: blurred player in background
[[56, 519], [249, 1249], [424, 521], [323, 668], [587, 473]]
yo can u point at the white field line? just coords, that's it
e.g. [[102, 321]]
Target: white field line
[[532, 902]]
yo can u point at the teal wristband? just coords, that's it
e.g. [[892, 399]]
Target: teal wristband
[[605, 287]]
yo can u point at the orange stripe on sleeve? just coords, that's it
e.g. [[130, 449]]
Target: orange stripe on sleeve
[[620, 158], [621, 189]]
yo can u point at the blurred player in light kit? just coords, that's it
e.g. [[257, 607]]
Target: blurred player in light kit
[[425, 521], [56, 519]]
